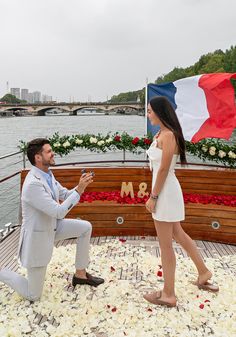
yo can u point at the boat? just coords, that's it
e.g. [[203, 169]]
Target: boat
[[124, 241], [206, 218]]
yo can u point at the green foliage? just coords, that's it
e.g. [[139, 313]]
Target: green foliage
[[216, 62], [207, 149], [131, 96], [8, 98]]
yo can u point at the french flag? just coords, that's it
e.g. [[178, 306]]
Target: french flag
[[204, 104]]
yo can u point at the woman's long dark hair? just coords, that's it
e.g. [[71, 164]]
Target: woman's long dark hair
[[165, 112]]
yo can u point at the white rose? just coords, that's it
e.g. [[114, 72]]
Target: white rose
[[101, 142], [109, 140], [221, 154], [57, 144], [231, 154], [79, 141], [93, 140], [66, 144], [212, 153], [204, 148], [212, 150]]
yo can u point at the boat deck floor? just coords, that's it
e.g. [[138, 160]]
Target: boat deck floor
[[8, 247], [8, 250]]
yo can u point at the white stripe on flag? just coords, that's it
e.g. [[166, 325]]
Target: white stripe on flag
[[191, 105]]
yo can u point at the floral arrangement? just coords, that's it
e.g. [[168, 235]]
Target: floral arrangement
[[213, 150], [117, 308], [207, 149], [63, 145], [227, 200]]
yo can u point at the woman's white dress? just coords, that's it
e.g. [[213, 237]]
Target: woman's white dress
[[170, 203]]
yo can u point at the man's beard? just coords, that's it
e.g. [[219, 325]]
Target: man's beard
[[48, 163]]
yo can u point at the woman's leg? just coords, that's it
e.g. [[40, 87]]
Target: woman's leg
[[189, 245], [165, 234]]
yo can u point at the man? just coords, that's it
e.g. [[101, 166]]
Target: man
[[44, 224]]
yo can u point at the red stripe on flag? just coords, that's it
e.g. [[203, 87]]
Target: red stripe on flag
[[220, 99]]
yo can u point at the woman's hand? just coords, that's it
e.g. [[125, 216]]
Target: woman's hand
[[85, 180], [151, 205]]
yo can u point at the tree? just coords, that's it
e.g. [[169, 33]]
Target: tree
[[9, 98], [131, 96], [218, 61]]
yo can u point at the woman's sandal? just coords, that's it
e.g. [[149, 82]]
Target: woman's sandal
[[155, 299], [207, 286]]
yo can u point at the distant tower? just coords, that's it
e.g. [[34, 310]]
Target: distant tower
[[7, 87], [138, 99]]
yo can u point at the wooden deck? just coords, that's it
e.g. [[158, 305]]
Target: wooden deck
[[8, 247]]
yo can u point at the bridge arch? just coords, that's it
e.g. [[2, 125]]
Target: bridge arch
[[41, 112], [77, 109]]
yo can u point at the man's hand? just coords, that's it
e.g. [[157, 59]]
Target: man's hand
[[85, 180]]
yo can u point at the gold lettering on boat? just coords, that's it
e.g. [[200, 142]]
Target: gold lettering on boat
[[142, 190], [127, 189]]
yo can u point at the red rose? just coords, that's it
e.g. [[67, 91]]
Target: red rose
[[159, 273], [117, 138], [228, 200], [122, 240], [201, 306], [147, 141], [135, 140], [114, 309]]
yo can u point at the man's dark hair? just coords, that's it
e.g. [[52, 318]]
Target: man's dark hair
[[34, 147]]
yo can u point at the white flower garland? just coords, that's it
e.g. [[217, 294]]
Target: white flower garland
[[207, 149]]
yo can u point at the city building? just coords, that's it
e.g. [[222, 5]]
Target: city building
[[46, 99], [30, 97], [25, 94], [36, 97], [15, 92]]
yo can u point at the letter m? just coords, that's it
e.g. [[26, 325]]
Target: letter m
[[127, 189]]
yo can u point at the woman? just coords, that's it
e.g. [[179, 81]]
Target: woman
[[166, 201]]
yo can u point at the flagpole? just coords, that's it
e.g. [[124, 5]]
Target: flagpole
[[146, 103]]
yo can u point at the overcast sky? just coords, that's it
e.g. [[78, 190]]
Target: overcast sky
[[97, 48]]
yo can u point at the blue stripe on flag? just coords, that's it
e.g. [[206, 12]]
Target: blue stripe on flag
[[165, 89]]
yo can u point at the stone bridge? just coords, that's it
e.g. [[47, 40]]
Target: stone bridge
[[71, 108]]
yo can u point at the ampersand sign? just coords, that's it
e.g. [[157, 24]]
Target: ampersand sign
[[142, 190]]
